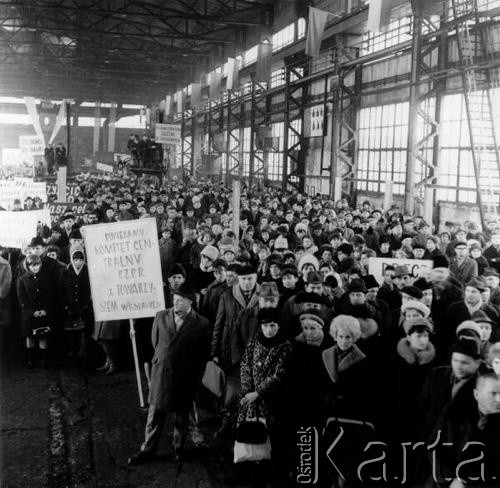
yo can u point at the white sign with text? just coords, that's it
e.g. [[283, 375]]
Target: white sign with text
[[124, 268], [418, 267]]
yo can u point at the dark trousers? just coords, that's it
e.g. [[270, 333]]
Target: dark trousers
[[154, 427]]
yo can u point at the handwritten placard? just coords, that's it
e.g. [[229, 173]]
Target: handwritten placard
[[124, 268], [418, 267], [18, 228]]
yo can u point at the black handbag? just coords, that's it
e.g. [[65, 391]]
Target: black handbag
[[252, 431], [41, 332]]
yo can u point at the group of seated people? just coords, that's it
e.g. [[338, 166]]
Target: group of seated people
[[300, 325]]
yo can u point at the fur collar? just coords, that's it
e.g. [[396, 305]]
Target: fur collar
[[412, 357], [334, 366]]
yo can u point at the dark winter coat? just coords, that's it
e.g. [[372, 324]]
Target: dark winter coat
[[77, 295], [307, 382], [211, 301], [391, 296], [263, 370], [5, 287], [36, 292], [409, 372], [437, 393], [349, 382], [179, 360], [231, 304]]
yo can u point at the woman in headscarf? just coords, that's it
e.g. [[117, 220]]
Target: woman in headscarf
[[263, 370], [36, 292], [77, 304]]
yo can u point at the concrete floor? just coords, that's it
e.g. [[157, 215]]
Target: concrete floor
[[65, 427]]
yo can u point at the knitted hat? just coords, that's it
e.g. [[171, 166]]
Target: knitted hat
[[416, 305], [469, 328], [210, 252], [219, 263], [308, 259], [468, 347], [301, 226], [281, 242], [311, 319], [424, 322], [176, 269], [413, 291]]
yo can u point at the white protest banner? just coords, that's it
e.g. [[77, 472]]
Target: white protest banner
[[418, 267], [106, 168], [9, 191], [32, 145], [168, 134], [17, 228], [124, 268]]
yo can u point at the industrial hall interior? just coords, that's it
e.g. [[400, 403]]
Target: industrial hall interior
[[249, 243]]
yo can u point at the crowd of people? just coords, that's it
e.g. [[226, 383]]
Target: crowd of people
[[288, 309]]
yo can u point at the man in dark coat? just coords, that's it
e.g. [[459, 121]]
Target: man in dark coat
[[445, 382], [470, 426], [181, 339]]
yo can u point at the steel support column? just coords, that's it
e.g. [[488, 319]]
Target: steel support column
[[258, 120]]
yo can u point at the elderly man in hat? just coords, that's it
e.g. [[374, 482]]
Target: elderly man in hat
[[181, 340]]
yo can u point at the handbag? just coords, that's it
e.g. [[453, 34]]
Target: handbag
[[252, 431], [75, 325], [244, 452], [41, 332], [214, 378]]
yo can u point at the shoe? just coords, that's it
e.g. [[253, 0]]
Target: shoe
[[140, 457], [112, 369]]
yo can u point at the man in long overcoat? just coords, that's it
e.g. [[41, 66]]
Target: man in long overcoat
[[181, 340]]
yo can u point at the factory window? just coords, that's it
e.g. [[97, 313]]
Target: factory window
[[301, 28], [250, 55], [383, 134], [275, 158], [284, 37], [398, 31], [457, 168], [277, 78]]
